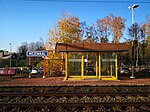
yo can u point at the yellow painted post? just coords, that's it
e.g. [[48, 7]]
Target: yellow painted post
[[82, 67], [116, 67], [66, 66], [99, 65]]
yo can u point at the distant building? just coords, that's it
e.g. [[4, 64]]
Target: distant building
[[5, 54], [1, 54]]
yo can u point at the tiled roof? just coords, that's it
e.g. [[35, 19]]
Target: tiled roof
[[87, 47]]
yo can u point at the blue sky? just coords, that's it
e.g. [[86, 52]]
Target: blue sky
[[28, 21]]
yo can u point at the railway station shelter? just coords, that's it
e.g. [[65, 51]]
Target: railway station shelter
[[87, 61]]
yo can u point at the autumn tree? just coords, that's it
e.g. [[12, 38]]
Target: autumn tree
[[103, 30], [116, 26], [66, 30], [110, 25], [147, 50], [146, 41], [143, 43], [147, 25]]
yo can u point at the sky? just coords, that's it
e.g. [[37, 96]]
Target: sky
[[29, 20]]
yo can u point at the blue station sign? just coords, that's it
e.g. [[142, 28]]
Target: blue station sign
[[36, 53]]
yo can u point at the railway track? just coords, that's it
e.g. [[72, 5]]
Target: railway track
[[76, 94], [75, 104], [72, 100]]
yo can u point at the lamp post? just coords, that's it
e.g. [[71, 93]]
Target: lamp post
[[133, 36], [10, 54]]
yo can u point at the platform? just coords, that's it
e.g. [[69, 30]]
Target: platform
[[59, 81]]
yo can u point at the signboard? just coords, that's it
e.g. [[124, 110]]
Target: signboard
[[36, 53]]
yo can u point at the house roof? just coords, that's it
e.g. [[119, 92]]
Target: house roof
[[90, 47], [6, 57]]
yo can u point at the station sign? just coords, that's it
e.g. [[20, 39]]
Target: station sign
[[36, 53]]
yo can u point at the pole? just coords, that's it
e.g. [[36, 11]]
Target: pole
[[133, 38], [44, 75], [10, 54], [30, 66]]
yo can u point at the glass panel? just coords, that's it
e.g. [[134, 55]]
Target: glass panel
[[114, 69], [74, 64], [90, 64], [108, 64]]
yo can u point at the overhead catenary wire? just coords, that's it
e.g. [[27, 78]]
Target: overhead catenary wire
[[102, 1]]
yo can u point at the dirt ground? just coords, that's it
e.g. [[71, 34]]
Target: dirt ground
[[59, 81]]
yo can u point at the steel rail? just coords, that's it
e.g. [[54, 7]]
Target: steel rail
[[75, 104], [75, 94]]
